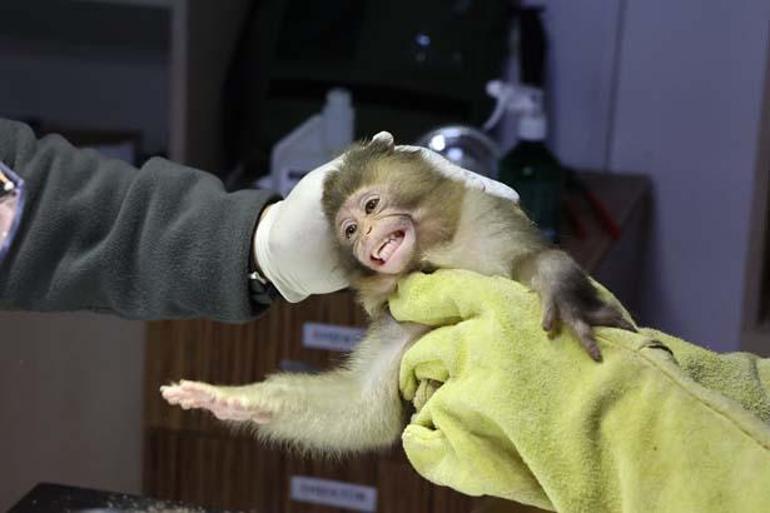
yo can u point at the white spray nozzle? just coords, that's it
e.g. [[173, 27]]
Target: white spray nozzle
[[519, 99]]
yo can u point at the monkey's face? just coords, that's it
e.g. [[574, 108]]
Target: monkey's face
[[381, 235]]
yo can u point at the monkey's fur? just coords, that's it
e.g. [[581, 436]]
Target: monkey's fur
[[394, 214]]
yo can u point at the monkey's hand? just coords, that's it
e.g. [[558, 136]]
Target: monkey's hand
[[226, 403], [568, 297]]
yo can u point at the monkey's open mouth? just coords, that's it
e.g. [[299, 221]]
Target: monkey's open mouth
[[388, 246]]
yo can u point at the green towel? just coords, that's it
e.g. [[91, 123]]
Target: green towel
[[660, 426]]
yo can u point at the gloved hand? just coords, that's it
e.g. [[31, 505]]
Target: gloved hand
[[294, 244], [504, 411]]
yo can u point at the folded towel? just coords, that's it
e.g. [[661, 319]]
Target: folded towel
[[660, 426]]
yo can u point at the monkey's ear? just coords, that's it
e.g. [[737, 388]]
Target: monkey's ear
[[383, 141]]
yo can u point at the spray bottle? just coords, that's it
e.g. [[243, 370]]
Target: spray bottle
[[313, 143], [530, 167]]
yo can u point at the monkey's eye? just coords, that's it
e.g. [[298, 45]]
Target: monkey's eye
[[350, 230], [371, 205]]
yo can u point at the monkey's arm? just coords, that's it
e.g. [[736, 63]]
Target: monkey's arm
[[567, 295], [496, 238], [351, 409], [565, 291]]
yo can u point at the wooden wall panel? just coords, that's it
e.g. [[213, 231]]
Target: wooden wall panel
[[190, 456]]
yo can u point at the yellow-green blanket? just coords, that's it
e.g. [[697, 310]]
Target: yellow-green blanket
[[660, 426]]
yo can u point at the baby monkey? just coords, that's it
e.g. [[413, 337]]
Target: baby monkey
[[394, 213]]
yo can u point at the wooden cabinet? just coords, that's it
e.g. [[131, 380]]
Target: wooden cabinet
[[191, 456]]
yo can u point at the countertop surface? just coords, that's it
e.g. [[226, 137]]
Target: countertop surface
[[53, 498]]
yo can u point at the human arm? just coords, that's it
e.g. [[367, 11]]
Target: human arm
[[160, 241]]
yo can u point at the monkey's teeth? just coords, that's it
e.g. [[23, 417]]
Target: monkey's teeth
[[383, 245], [388, 247]]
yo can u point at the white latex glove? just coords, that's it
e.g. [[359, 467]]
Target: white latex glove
[[294, 244]]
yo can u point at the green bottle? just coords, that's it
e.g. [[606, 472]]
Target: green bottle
[[536, 174]]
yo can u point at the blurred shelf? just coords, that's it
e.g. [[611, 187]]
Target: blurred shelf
[[108, 28], [191, 39], [624, 195]]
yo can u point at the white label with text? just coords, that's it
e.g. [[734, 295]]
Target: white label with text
[[330, 337], [333, 493]]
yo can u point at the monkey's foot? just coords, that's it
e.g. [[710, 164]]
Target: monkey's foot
[[226, 403]]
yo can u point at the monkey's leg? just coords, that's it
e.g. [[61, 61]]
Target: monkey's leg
[[354, 408], [568, 296]]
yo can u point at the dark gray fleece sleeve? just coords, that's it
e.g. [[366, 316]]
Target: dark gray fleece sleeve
[[159, 242]]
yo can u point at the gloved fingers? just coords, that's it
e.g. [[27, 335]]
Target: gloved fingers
[[309, 190], [455, 172], [423, 362]]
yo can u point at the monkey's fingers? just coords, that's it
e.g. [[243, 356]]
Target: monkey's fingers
[[189, 394], [609, 316], [585, 335], [550, 317]]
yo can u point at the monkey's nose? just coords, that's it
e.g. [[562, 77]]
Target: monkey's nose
[[369, 230]]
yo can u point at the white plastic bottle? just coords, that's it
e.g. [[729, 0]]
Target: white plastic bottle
[[314, 142]]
